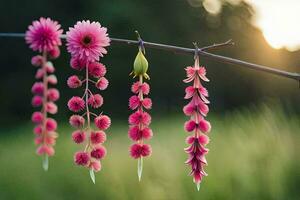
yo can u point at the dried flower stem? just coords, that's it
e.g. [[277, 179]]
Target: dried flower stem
[[86, 92], [44, 109]]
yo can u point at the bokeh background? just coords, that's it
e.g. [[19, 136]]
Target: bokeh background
[[255, 116]]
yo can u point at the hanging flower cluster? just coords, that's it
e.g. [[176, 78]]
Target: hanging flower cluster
[[196, 109], [44, 36], [86, 42], [140, 120]]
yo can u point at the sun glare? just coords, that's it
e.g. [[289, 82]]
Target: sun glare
[[279, 22], [277, 19]]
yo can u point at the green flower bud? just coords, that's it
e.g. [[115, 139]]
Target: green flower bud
[[140, 66]]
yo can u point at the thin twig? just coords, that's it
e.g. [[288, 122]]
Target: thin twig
[[217, 46], [202, 51]]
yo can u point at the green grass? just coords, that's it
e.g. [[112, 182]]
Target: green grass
[[253, 155]]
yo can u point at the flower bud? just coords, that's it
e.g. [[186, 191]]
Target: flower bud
[[37, 60], [54, 53], [140, 65]]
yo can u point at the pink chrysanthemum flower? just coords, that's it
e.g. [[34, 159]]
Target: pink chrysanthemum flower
[[77, 121], [76, 104], [74, 82], [44, 36], [140, 150], [87, 41], [78, 136], [140, 120], [196, 109], [102, 83]]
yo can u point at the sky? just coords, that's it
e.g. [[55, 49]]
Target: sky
[[277, 19]]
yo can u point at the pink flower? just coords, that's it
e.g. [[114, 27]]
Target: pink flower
[[37, 88], [38, 130], [37, 117], [197, 160], [50, 138], [38, 140], [139, 121], [74, 82], [140, 150], [98, 137], [78, 136], [95, 100], [52, 79], [97, 69], [197, 110], [51, 124], [190, 125], [43, 35], [49, 67], [54, 53], [194, 72], [204, 126], [53, 94], [86, 41], [51, 108], [81, 158], [77, 64], [201, 139], [136, 134], [192, 109], [44, 149], [140, 117], [190, 91], [99, 152], [134, 102], [95, 165], [76, 104], [102, 83], [39, 74], [144, 88], [147, 103], [37, 60], [37, 101], [102, 122], [77, 121]]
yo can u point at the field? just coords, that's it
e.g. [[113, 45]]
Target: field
[[254, 154]]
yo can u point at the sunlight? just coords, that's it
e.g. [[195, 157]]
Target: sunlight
[[278, 20]]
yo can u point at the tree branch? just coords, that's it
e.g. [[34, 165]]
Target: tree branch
[[202, 51]]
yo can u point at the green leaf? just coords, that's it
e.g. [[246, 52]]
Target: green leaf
[[198, 186], [92, 175], [45, 163], [140, 168]]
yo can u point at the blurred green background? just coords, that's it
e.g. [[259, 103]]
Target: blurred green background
[[255, 116]]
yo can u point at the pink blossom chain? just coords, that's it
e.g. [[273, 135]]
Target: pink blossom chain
[[140, 120], [196, 109], [44, 36], [86, 42]]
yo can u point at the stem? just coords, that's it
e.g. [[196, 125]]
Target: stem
[[44, 109], [141, 107], [86, 92], [87, 96], [140, 160]]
